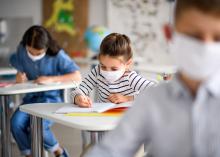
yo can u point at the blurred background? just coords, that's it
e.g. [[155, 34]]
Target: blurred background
[[79, 27]]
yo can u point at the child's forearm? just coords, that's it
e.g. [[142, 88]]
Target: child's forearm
[[21, 77], [75, 76]]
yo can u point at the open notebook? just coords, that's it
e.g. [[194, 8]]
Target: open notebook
[[96, 107]]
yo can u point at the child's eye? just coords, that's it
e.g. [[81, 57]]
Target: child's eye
[[217, 39], [103, 67], [114, 69]]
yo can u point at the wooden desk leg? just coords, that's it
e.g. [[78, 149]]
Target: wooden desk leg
[[36, 137], [5, 127]]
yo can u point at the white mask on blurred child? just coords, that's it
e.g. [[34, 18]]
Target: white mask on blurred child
[[112, 76], [35, 58], [195, 58]]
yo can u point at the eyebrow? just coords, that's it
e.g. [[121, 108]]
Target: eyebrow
[[109, 67]]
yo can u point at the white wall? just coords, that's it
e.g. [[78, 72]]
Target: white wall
[[22, 8], [97, 12], [33, 8]]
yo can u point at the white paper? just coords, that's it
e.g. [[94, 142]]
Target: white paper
[[72, 109], [96, 107]]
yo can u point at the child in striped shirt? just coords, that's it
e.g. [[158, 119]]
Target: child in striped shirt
[[112, 78]]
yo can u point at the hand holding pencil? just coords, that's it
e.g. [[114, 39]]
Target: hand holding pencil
[[21, 77], [83, 101]]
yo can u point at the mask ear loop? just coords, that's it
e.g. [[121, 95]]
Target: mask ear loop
[[128, 64]]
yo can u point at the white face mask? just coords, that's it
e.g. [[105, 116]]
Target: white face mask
[[112, 76], [194, 58], [35, 58]]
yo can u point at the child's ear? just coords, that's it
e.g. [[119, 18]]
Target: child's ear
[[129, 63], [168, 31]]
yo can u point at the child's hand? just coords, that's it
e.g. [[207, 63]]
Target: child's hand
[[119, 98], [83, 101], [21, 77], [44, 80]]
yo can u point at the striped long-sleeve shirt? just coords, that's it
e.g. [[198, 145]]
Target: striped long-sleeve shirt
[[129, 84]]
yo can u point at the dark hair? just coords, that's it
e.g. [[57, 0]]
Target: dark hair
[[207, 6], [39, 38], [115, 45]]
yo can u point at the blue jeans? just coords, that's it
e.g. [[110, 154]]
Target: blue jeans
[[20, 128]]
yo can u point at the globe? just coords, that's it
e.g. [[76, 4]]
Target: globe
[[94, 36]]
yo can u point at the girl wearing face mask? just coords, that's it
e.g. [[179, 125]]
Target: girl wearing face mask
[[40, 59], [114, 80]]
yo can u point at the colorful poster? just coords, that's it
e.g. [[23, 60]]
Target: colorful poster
[[62, 18], [67, 21]]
